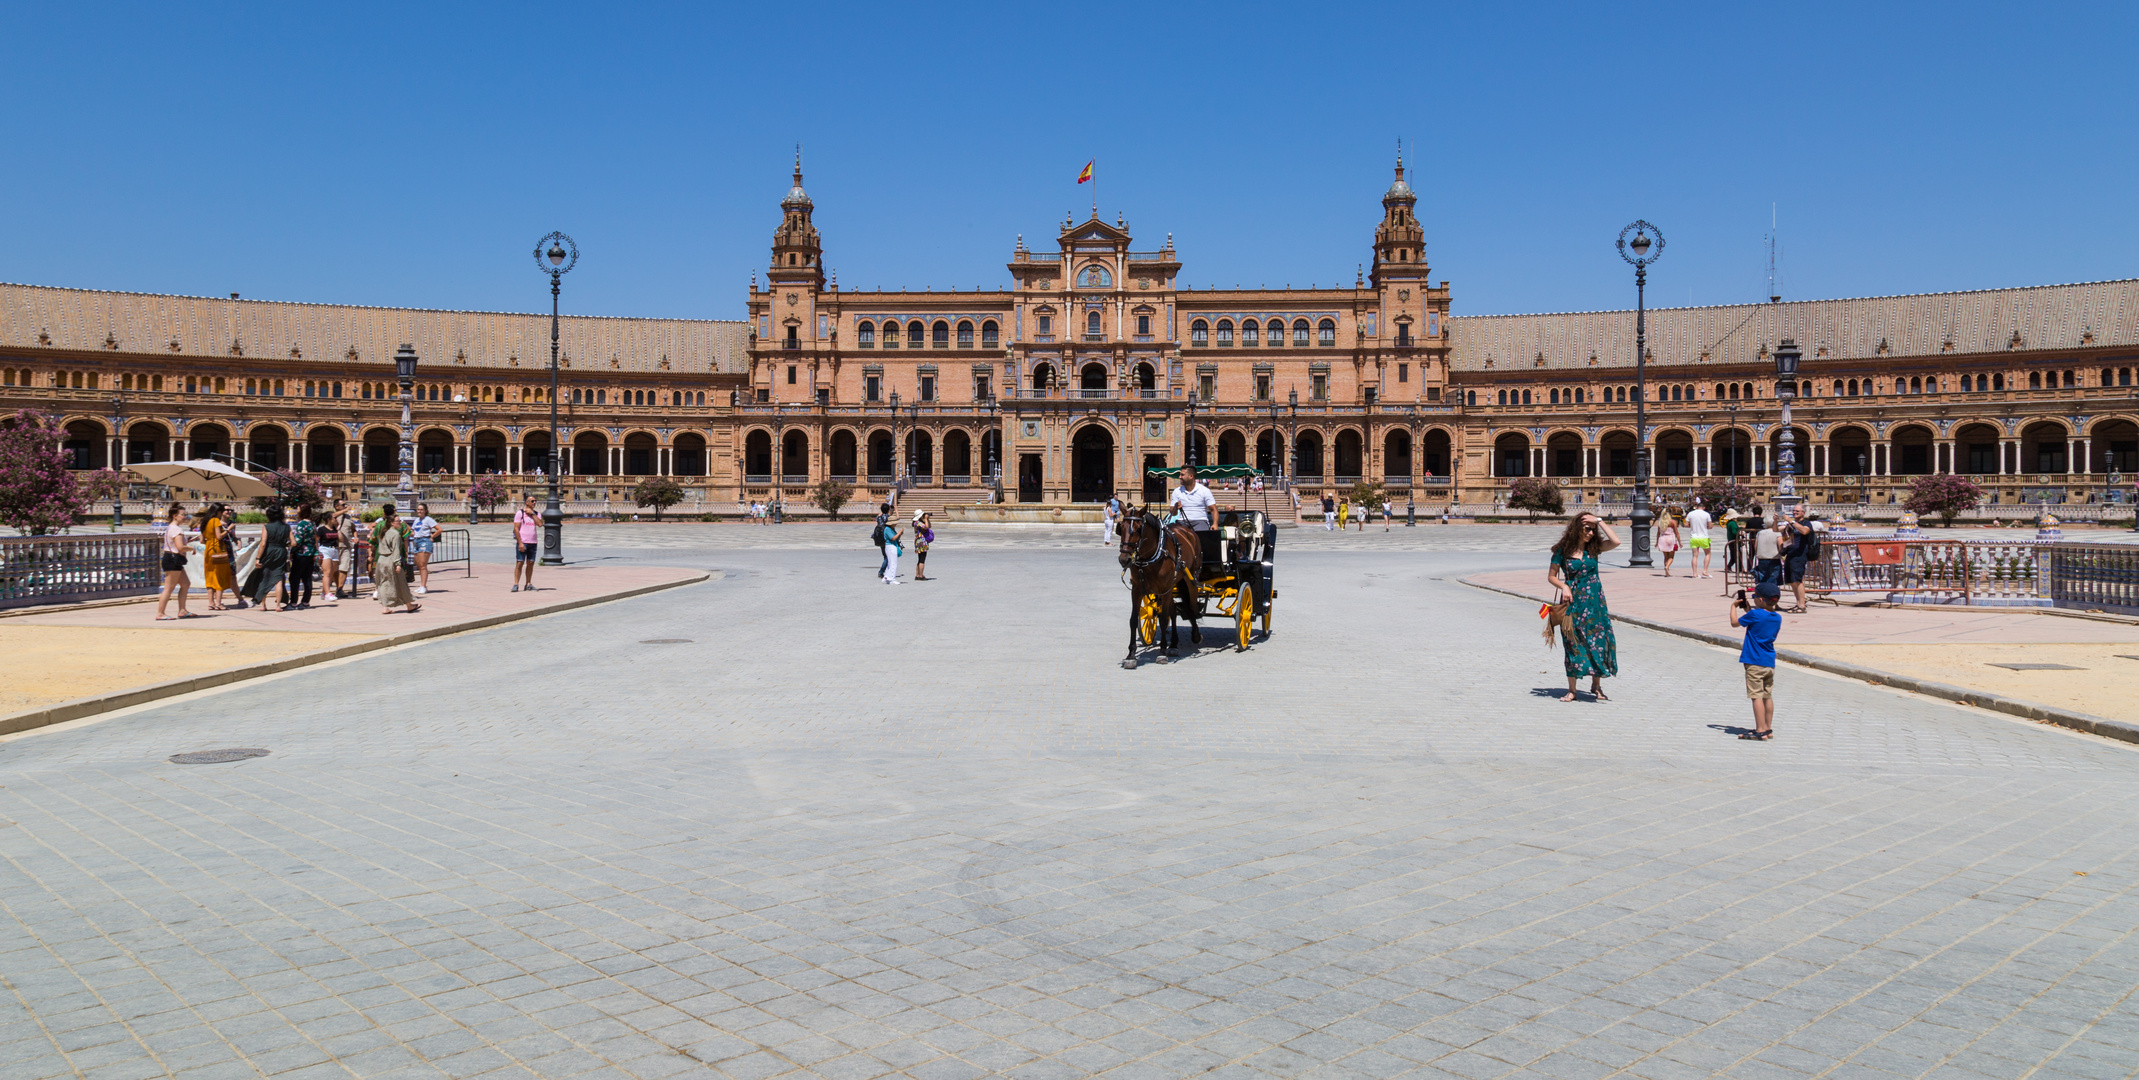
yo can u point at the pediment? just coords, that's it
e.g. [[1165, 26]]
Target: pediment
[[1094, 231]]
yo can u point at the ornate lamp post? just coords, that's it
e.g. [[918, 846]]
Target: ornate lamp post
[[1277, 459], [1864, 498], [1411, 510], [557, 261], [898, 445], [1188, 440], [913, 431], [1292, 437], [779, 462], [1733, 411], [405, 488], [989, 445], [1786, 359], [1638, 252], [118, 440]]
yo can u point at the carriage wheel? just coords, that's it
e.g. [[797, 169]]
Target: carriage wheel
[[1147, 620], [1269, 609], [1244, 618]]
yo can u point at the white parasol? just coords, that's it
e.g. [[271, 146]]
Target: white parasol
[[208, 478]]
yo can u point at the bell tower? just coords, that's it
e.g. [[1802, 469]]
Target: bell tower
[[797, 255], [1399, 243]]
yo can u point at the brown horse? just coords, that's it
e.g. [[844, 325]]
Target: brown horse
[[1162, 562]]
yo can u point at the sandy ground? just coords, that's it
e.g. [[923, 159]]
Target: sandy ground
[[43, 665], [2093, 689]]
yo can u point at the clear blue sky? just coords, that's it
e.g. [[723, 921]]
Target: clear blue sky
[[373, 154]]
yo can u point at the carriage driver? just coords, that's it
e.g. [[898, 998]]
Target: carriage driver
[[1195, 503]]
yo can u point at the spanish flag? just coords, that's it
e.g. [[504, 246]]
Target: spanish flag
[[1087, 173]]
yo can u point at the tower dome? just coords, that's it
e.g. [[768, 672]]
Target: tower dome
[[1399, 192], [797, 199]]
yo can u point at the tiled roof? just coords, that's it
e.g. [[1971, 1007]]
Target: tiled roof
[[2044, 317], [205, 326]]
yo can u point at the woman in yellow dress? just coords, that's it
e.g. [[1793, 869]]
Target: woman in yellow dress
[[216, 566]]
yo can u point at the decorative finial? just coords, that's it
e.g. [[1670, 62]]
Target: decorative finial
[[798, 164]]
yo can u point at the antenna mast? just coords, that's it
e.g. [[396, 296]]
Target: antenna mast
[[1774, 294]]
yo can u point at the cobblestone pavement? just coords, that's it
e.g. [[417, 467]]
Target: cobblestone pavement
[[934, 830]]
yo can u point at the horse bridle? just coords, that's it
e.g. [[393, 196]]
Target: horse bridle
[[1158, 550]]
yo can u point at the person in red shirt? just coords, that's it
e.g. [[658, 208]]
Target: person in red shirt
[[526, 529]]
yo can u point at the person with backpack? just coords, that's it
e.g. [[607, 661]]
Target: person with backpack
[[1803, 548], [879, 534]]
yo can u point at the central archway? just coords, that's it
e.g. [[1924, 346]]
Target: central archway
[[1091, 464]]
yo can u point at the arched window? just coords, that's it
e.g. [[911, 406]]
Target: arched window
[[1326, 333], [1299, 333], [1554, 397], [1225, 333], [916, 334], [1199, 333], [965, 334], [1503, 396], [1470, 397], [1578, 395], [1526, 397], [990, 336], [1997, 381], [1091, 324], [1250, 333], [1916, 386], [891, 335], [1095, 277], [1043, 376], [1277, 333], [865, 335], [942, 336]]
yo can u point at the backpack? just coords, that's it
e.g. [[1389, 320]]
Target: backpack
[[876, 535], [1811, 543]]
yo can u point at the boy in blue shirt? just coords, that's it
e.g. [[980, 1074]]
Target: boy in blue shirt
[[1761, 622]]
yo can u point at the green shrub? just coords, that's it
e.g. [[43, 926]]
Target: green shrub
[[251, 517]]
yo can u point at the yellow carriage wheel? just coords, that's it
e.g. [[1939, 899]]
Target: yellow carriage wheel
[[1269, 610], [1147, 620], [1243, 617]]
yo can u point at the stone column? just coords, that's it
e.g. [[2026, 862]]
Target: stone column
[[2086, 457]]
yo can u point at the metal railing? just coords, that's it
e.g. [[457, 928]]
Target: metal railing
[[450, 546], [71, 569]]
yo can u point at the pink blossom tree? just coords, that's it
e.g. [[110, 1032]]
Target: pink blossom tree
[[1945, 496], [38, 493]]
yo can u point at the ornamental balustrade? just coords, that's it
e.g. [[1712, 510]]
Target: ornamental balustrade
[[1981, 573], [72, 569]]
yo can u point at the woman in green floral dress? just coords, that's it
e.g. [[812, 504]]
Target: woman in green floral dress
[[1590, 647]]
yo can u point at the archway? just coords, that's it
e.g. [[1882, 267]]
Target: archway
[[488, 455], [1043, 377], [691, 454], [1436, 447], [1849, 452], [843, 455], [1308, 449], [2043, 448], [957, 457], [535, 453], [795, 456], [1563, 454], [590, 454], [434, 452], [1912, 451], [382, 451], [1802, 447], [1091, 464], [991, 452], [1730, 453], [1396, 455], [2116, 447], [881, 459], [147, 441], [205, 441], [1674, 453], [85, 445], [1092, 377], [1147, 379], [1975, 450], [920, 455], [1199, 449], [642, 454], [267, 446], [1029, 478], [757, 457], [1232, 447], [1349, 456], [1616, 453], [1511, 455], [1269, 452]]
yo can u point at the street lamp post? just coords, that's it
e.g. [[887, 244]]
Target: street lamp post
[[1188, 441], [1733, 411], [1292, 437], [913, 431], [1637, 252], [405, 488], [1411, 509], [779, 463], [118, 498], [557, 261], [898, 448], [1864, 499], [990, 444], [1786, 360]]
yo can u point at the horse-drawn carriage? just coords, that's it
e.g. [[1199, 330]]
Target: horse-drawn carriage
[[1174, 570]]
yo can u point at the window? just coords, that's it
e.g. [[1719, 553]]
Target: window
[[793, 341], [1250, 334], [865, 336], [1143, 325], [990, 337], [981, 388], [1403, 334], [1318, 387], [1997, 381], [916, 334], [1299, 333], [1207, 385], [1403, 374], [1091, 324], [1470, 397], [1578, 395], [1554, 396], [2072, 379], [891, 335], [1225, 333], [1433, 393], [1262, 388], [2124, 376], [601, 397], [1326, 334], [1199, 333], [2034, 380], [928, 388], [942, 335], [1500, 397], [1526, 397], [965, 335], [872, 387], [1047, 324]]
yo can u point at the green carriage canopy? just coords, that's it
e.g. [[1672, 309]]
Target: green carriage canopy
[[1209, 472]]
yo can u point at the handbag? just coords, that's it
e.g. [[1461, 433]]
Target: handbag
[[174, 562]]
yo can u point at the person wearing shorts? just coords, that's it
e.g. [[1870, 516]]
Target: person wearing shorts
[[423, 532], [526, 529], [1757, 655], [1697, 540]]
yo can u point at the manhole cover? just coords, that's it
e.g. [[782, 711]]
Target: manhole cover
[[2039, 667], [666, 641], [212, 757]]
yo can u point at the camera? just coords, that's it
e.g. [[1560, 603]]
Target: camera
[[1741, 598]]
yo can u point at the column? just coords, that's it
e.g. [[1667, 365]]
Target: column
[[174, 451], [297, 456], [2086, 457], [237, 450], [2003, 458]]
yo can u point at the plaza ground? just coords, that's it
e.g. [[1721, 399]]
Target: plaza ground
[[793, 821]]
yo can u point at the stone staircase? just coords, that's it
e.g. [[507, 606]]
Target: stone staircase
[[934, 499]]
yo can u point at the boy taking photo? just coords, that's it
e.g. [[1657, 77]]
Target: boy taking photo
[[1761, 622]]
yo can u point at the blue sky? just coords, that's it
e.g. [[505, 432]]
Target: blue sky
[[374, 154]]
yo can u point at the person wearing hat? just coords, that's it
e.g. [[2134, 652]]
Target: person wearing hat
[[923, 536], [1761, 622]]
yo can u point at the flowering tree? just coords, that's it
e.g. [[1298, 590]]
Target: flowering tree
[[102, 484], [301, 494], [1945, 496], [1537, 494], [1720, 493], [38, 493], [487, 492], [829, 495], [659, 492]]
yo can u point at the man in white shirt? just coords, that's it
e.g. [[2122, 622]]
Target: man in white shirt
[[1767, 554], [1697, 522], [1112, 516], [1193, 500]]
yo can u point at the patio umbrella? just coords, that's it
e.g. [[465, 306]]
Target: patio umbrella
[[209, 478]]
